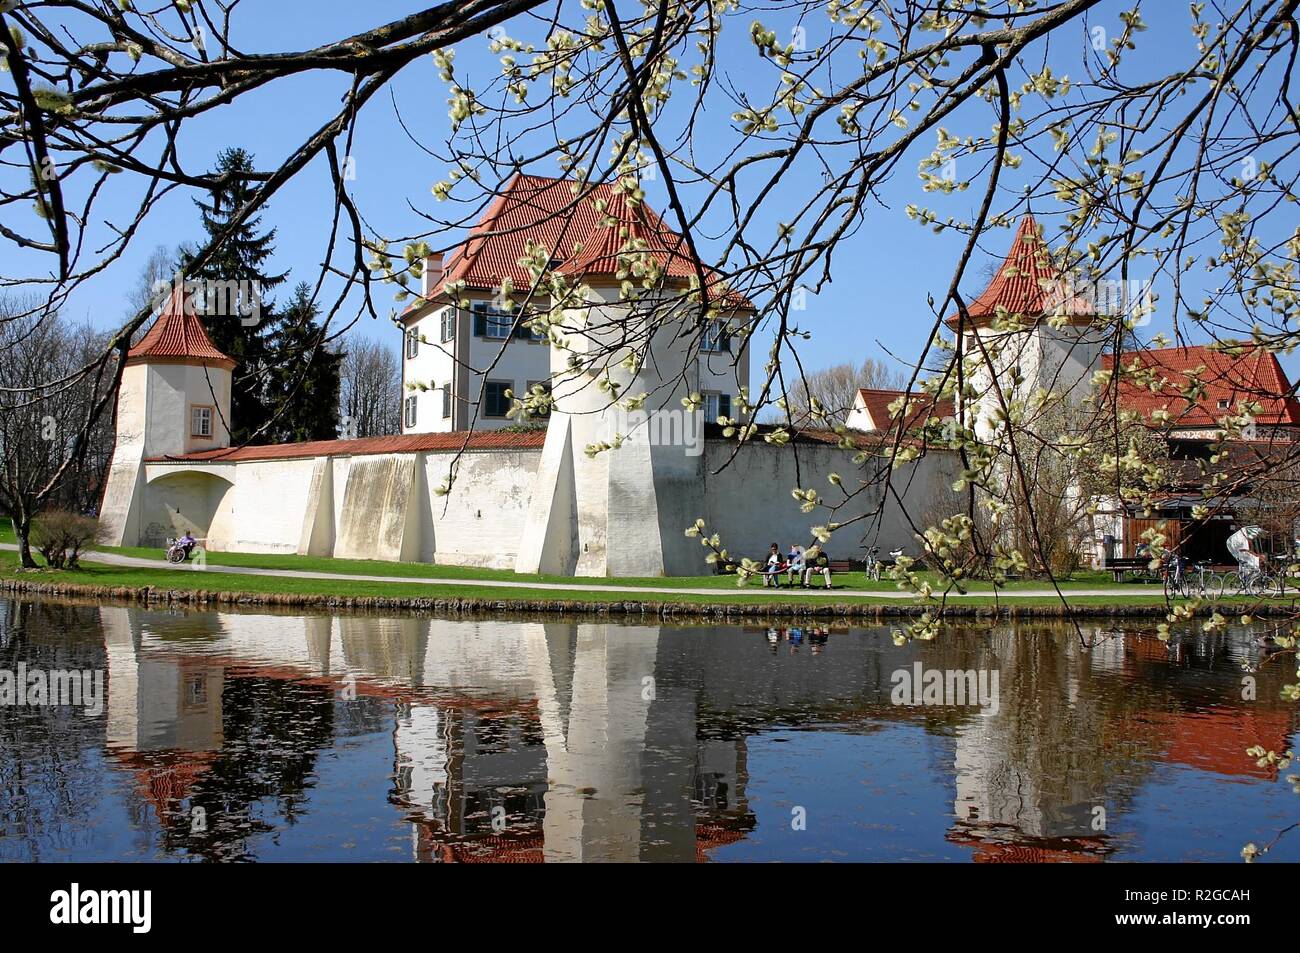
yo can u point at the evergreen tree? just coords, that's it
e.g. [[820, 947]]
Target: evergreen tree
[[304, 375], [241, 261]]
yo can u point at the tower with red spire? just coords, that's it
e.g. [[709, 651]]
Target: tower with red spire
[[174, 399], [1030, 330]]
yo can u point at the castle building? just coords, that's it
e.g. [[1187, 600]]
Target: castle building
[[596, 488], [1028, 331], [459, 363], [1034, 330], [540, 499]]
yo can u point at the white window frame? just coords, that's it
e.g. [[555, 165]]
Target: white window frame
[[495, 320], [202, 415], [448, 324], [412, 342], [410, 412], [713, 405], [446, 401]]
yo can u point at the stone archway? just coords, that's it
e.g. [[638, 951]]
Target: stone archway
[[192, 500]]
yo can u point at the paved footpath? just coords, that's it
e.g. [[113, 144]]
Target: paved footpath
[[137, 562]]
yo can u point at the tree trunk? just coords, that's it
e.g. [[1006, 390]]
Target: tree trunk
[[23, 530]]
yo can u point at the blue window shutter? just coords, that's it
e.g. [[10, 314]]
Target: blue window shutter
[[480, 321]]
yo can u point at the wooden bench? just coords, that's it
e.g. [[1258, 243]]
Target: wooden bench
[[1118, 567], [836, 566]]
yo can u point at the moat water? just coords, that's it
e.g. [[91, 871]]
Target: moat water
[[238, 736]]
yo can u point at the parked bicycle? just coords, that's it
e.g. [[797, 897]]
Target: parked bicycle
[[1199, 581], [1251, 582], [873, 564], [179, 550]]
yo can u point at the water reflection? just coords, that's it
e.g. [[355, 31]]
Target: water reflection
[[230, 736]]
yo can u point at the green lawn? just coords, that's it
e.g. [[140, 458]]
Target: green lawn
[[844, 582], [848, 585], [98, 574]]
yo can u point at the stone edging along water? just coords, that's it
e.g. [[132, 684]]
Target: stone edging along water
[[207, 598]]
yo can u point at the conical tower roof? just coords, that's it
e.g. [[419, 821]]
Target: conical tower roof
[[1028, 283], [178, 337]]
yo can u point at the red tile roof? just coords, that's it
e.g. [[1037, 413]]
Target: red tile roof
[[1027, 283], [178, 336], [405, 443], [1254, 376], [920, 409], [547, 212]]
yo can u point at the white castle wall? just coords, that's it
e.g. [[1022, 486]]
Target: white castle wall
[[384, 506], [1058, 360], [749, 503], [378, 506], [153, 419]]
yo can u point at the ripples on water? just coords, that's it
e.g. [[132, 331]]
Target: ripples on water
[[246, 736]]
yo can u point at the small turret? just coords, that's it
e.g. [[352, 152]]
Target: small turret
[[174, 399], [175, 392], [1054, 342]]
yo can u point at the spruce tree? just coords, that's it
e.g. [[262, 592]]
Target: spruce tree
[[241, 258], [304, 376]]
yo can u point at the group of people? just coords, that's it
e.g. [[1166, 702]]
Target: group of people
[[816, 637], [797, 566]]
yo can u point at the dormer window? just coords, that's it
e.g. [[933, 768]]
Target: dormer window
[[201, 421], [1224, 404]]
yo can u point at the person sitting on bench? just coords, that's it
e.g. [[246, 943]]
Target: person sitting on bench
[[795, 565], [772, 568], [821, 563]]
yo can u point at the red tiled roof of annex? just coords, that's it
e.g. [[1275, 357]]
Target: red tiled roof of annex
[[921, 407], [1028, 283], [532, 439], [178, 335], [1228, 379], [581, 239]]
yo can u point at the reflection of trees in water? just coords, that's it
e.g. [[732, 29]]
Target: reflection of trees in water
[[44, 779], [273, 731], [1080, 728]]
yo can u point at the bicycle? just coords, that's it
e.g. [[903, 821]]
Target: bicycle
[[1251, 582], [1197, 581], [873, 564]]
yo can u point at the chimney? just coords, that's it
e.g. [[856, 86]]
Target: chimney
[[432, 279]]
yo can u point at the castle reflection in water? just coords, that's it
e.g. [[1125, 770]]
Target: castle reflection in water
[[530, 741]]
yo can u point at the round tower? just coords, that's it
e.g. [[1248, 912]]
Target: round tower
[[622, 509], [174, 399], [1056, 344]]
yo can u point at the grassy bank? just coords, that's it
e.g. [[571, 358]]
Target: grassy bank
[[853, 582], [212, 587]]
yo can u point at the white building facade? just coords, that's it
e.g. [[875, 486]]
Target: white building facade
[[592, 489]]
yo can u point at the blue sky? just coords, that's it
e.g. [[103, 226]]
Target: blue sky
[[882, 275]]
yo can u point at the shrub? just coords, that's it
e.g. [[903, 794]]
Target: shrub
[[59, 537]]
